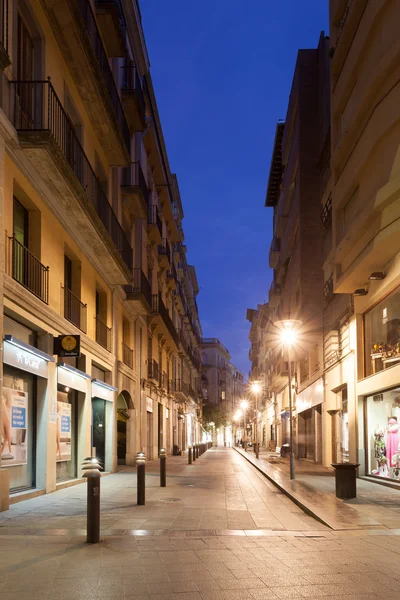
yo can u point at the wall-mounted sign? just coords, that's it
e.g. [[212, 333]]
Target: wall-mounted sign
[[25, 359], [67, 345], [149, 404]]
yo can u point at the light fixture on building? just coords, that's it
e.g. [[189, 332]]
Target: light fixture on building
[[377, 276], [360, 292]]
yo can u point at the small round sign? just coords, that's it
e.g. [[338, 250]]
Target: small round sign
[[68, 343]]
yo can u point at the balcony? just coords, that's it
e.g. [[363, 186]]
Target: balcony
[[154, 224], [140, 292], [75, 28], [152, 370], [4, 57], [133, 98], [111, 20], [127, 356], [274, 252], [164, 381], [160, 312], [74, 310], [181, 390], [48, 139], [274, 294], [164, 253], [134, 190], [103, 334], [172, 278], [25, 268]]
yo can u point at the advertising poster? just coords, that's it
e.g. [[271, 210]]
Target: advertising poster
[[14, 435], [63, 437]]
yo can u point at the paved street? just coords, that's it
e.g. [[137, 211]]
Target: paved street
[[219, 530]]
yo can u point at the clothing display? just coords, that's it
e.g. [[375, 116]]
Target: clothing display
[[380, 448], [392, 440]]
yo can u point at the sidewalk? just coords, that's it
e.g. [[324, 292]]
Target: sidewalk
[[376, 506]]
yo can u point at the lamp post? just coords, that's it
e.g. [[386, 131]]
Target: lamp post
[[244, 405], [288, 335], [256, 389]]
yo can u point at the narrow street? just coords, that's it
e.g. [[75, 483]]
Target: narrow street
[[219, 530]]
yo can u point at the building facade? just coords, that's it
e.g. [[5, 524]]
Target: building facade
[[365, 264], [91, 220], [297, 175], [223, 385]]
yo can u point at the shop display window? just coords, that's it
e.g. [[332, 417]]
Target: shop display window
[[18, 439], [66, 434], [382, 334], [383, 434]]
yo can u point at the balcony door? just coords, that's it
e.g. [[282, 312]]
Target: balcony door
[[20, 233], [25, 72]]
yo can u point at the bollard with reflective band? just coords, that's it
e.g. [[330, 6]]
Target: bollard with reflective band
[[141, 478], [190, 455], [163, 467], [91, 470]]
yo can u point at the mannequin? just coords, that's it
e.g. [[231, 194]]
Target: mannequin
[[396, 463], [392, 439], [380, 453]]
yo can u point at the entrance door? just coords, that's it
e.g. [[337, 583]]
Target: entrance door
[[122, 418], [149, 436], [309, 434], [25, 92], [99, 428]]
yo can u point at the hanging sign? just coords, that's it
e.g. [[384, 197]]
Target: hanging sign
[[68, 345]]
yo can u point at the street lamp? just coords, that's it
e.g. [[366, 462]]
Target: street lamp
[[288, 336], [256, 389], [244, 406]]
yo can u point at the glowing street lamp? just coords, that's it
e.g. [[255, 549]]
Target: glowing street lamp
[[256, 390], [288, 337]]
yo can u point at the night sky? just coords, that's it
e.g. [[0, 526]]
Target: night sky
[[222, 72]]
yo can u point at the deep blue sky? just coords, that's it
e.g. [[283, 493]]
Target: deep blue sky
[[222, 72]]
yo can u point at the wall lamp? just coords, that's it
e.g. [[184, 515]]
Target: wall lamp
[[360, 292], [377, 276]]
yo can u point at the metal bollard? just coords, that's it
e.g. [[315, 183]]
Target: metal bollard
[[194, 452], [163, 467], [190, 455], [141, 478], [91, 470]]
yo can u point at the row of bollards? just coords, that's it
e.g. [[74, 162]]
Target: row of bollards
[[91, 470]]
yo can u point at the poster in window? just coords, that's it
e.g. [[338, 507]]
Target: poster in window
[[63, 436], [14, 435]]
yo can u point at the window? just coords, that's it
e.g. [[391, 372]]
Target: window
[[382, 334]]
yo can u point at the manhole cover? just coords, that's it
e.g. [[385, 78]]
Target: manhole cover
[[171, 499]]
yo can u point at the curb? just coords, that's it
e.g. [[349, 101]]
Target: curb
[[298, 502]]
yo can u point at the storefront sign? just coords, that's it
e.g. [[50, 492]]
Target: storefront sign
[[103, 390], [149, 404], [312, 396], [63, 436], [67, 345], [14, 439], [25, 357], [72, 378]]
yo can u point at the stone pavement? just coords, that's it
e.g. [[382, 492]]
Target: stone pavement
[[376, 506], [183, 550]]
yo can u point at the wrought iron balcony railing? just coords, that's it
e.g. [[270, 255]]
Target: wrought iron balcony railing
[[133, 176], [164, 249], [139, 287], [127, 356], [74, 310], [103, 334], [152, 369], [24, 267], [154, 218], [38, 110], [96, 43], [158, 307]]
